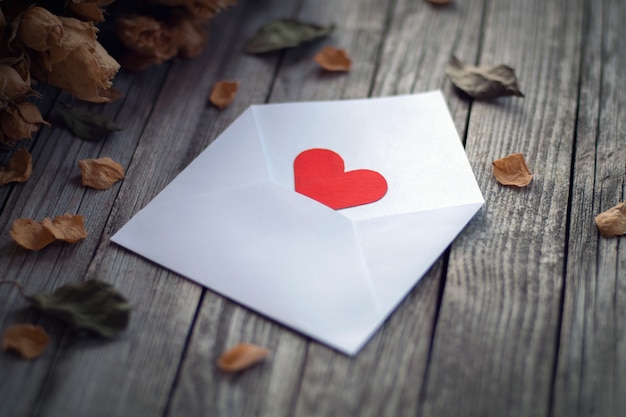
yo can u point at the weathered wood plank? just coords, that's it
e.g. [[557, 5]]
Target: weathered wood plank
[[385, 378], [591, 367], [55, 189], [494, 350]]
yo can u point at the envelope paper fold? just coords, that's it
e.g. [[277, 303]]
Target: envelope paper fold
[[233, 222]]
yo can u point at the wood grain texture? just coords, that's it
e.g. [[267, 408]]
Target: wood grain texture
[[496, 338], [590, 375]]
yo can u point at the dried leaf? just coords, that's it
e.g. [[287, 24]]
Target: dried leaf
[[285, 33], [27, 340], [240, 357], [31, 234], [19, 168], [613, 221], [439, 2], [483, 82], [34, 235], [224, 93], [100, 173], [333, 59], [512, 170], [68, 227], [94, 305], [85, 125]]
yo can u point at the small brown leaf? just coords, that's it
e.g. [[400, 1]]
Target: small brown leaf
[[333, 59], [240, 357], [613, 221], [512, 170], [27, 340], [224, 93], [483, 82], [31, 234], [100, 173], [34, 235], [19, 168]]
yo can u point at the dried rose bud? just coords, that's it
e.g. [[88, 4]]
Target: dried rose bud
[[12, 86], [21, 121], [191, 37], [147, 37], [39, 29], [77, 34]]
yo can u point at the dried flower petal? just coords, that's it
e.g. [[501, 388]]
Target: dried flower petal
[[87, 11], [333, 59], [19, 168], [31, 234], [21, 121], [483, 82], [39, 29], [100, 173], [512, 170], [241, 357], [613, 221], [224, 93], [27, 340], [68, 227], [34, 235]]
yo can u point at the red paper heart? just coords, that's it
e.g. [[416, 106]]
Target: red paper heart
[[320, 174]]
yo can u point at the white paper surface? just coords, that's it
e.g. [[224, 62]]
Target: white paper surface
[[232, 221]]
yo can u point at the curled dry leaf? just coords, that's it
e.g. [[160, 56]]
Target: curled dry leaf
[[512, 170], [27, 340], [94, 305], [613, 221], [85, 125], [34, 235], [333, 59], [285, 33], [100, 173], [224, 93], [19, 168], [241, 357], [483, 82]]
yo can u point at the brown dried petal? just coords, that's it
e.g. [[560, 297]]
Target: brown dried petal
[[21, 122], [512, 170], [39, 29], [19, 168], [224, 93], [613, 221], [31, 234], [100, 173], [68, 227], [27, 340], [333, 59], [87, 11], [241, 357]]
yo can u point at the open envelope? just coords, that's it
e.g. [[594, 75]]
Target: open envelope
[[233, 222]]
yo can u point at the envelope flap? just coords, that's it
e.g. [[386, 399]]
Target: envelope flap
[[234, 159]]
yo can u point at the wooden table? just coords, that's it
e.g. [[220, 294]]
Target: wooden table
[[524, 315]]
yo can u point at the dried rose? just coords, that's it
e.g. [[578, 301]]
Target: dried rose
[[100, 173], [613, 221], [13, 87], [39, 29], [512, 170], [34, 235], [241, 357], [191, 37], [19, 168], [201, 9], [27, 340], [21, 121], [223, 93], [147, 37], [333, 59]]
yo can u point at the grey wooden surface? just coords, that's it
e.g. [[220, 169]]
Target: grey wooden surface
[[522, 316]]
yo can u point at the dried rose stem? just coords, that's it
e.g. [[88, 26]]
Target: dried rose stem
[[16, 284]]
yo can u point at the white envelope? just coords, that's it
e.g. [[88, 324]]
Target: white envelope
[[233, 222]]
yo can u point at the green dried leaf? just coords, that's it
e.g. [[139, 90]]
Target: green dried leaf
[[285, 33], [93, 305], [85, 125], [483, 82]]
